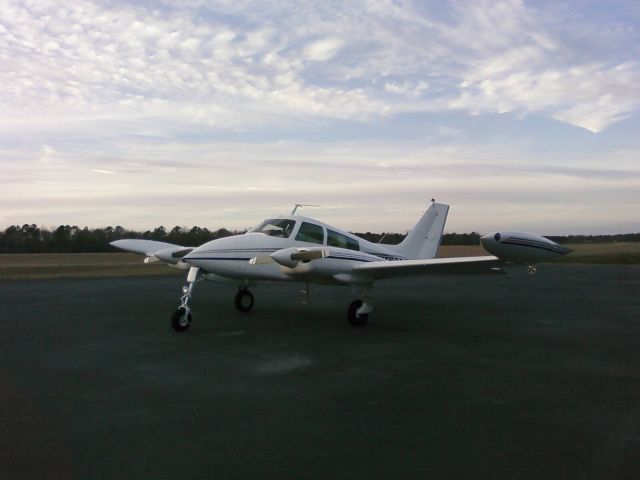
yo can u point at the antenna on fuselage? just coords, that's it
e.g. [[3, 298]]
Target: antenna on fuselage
[[298, 205]]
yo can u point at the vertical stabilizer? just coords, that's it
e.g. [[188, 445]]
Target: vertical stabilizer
[[423, 240]]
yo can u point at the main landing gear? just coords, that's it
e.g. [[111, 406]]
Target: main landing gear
[[359, 310], [244, 300], [357, 313]]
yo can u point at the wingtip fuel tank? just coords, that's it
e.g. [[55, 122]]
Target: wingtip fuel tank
[[522, 247]]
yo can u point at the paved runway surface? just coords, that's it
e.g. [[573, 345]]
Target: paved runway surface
[[456, 377]]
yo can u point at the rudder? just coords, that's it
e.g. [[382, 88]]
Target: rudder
[[424, 239]]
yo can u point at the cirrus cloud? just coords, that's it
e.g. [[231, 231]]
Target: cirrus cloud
[[123, 59]]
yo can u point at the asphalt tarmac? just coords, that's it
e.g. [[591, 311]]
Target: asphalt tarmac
[[501, 377]]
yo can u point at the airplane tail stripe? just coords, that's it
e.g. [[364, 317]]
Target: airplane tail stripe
[[538, 245]]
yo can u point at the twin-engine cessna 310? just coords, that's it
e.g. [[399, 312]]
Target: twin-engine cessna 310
[[301, 249]]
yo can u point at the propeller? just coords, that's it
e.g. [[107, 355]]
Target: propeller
[[181, 253], [167, 255]]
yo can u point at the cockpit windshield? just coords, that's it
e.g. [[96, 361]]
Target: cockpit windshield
[[276, 227]]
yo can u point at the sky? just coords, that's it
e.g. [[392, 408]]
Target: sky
[[520, 115]]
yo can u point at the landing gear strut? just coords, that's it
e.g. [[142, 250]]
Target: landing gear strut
[[244, 300], [531, 269], [181, 318]]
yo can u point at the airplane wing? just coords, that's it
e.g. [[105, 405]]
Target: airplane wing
[[143, 247], [155, 251], [439, 266]]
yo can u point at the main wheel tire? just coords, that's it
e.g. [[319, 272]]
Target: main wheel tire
[[181, 319], [354, 319], [244, 300]]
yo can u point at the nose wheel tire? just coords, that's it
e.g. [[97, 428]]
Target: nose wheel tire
[[181, 319], [244, 300], [354, 319]]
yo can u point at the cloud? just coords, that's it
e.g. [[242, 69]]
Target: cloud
[[322, 50], [591, 97], [474, 103], [47, 150], [407, 88], [226, 63]]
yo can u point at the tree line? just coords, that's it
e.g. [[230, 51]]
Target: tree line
[[619, 237], [73, 239]]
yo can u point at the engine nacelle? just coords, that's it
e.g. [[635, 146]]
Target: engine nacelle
[[284, 257], [289, 257], [522, 247]]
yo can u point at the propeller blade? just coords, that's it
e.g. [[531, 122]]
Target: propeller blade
[[289, 257], [181, 253], [261, 260], [308, 255]]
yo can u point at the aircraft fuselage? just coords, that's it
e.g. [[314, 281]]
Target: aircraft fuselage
[[230, 257]]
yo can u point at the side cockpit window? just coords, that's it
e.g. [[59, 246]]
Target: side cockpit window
[[276, 227], [335, 239], [310, 233]]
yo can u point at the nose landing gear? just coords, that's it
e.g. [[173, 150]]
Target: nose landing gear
[[181, 318]]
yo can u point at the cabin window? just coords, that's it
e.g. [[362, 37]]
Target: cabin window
[[276, 227], [310, 233], [335, 239]]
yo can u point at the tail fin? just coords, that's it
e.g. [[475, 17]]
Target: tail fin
[[423, 240]]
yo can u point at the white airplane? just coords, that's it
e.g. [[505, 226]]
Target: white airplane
[[300, 249]]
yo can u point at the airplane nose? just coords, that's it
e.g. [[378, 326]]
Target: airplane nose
[[490, 239], [496, 236]]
